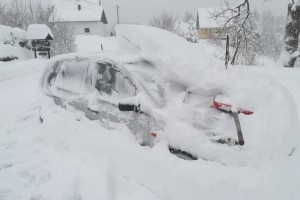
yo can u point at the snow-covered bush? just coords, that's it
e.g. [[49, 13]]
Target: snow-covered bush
[[12, 43], [187, 30], [12, 36], [64, 40], [164, 21]]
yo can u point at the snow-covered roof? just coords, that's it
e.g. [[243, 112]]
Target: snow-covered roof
[[69, 11], [204, 19], [38, 32]]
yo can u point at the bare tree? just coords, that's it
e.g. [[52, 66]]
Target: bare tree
[[292, 31], [64, 40], [240, 24], [2, 13], [188, 17], [164, 21]]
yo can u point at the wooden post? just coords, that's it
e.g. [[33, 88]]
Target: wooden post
[[35, 53], [227, 52]]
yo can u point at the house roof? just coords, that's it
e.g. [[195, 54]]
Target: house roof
[[38, 32], [204, 19], [68, 11]]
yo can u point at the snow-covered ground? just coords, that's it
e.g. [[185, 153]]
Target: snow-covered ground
[[70, 157], [92, 43]]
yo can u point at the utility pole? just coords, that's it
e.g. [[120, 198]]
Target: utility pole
[[99, 2], [118, 18]]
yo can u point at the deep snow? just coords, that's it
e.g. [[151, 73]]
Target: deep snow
[[70, 157]]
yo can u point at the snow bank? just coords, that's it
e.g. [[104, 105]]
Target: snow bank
[[16, 69]]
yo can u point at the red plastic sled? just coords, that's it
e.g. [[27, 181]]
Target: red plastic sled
[[227, 108]]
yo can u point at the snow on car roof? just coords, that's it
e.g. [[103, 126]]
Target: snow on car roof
[[186, 61], [38, 32]]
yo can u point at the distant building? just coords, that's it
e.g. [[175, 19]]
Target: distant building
[[84, 17], [206, 26]]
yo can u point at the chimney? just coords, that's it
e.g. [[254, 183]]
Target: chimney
[[79, 7]]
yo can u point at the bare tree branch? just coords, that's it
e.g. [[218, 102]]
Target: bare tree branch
[[238, 23]]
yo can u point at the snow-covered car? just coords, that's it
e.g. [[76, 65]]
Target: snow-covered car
[[112, 90], [102, 88], [166, 89]]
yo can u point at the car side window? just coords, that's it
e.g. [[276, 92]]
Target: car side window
[[111, 81], [105, 78]]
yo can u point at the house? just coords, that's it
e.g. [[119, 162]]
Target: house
[[84, 17], [206, 26]]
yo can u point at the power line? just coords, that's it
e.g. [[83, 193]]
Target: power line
[[96, 4]]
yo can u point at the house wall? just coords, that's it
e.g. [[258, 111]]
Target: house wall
[[96, 28], [206, 33]]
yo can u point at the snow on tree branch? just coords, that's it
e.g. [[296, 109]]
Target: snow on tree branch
[[241, 25]]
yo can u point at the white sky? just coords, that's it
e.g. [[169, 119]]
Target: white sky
[[140, 11]]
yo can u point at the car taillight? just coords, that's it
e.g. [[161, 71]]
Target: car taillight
[[153, 134]]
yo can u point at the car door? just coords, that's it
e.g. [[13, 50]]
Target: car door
[[110, 85]]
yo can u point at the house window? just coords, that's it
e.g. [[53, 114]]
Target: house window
[[86, 30]]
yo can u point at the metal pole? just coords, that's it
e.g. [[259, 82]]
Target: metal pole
[[238, 128], [118, 14]]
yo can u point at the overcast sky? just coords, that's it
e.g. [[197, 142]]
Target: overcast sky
[[139, 11]]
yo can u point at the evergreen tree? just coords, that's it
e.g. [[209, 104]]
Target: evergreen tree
[[292, 33]]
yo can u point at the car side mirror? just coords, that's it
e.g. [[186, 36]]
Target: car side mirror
[[129, 107]]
